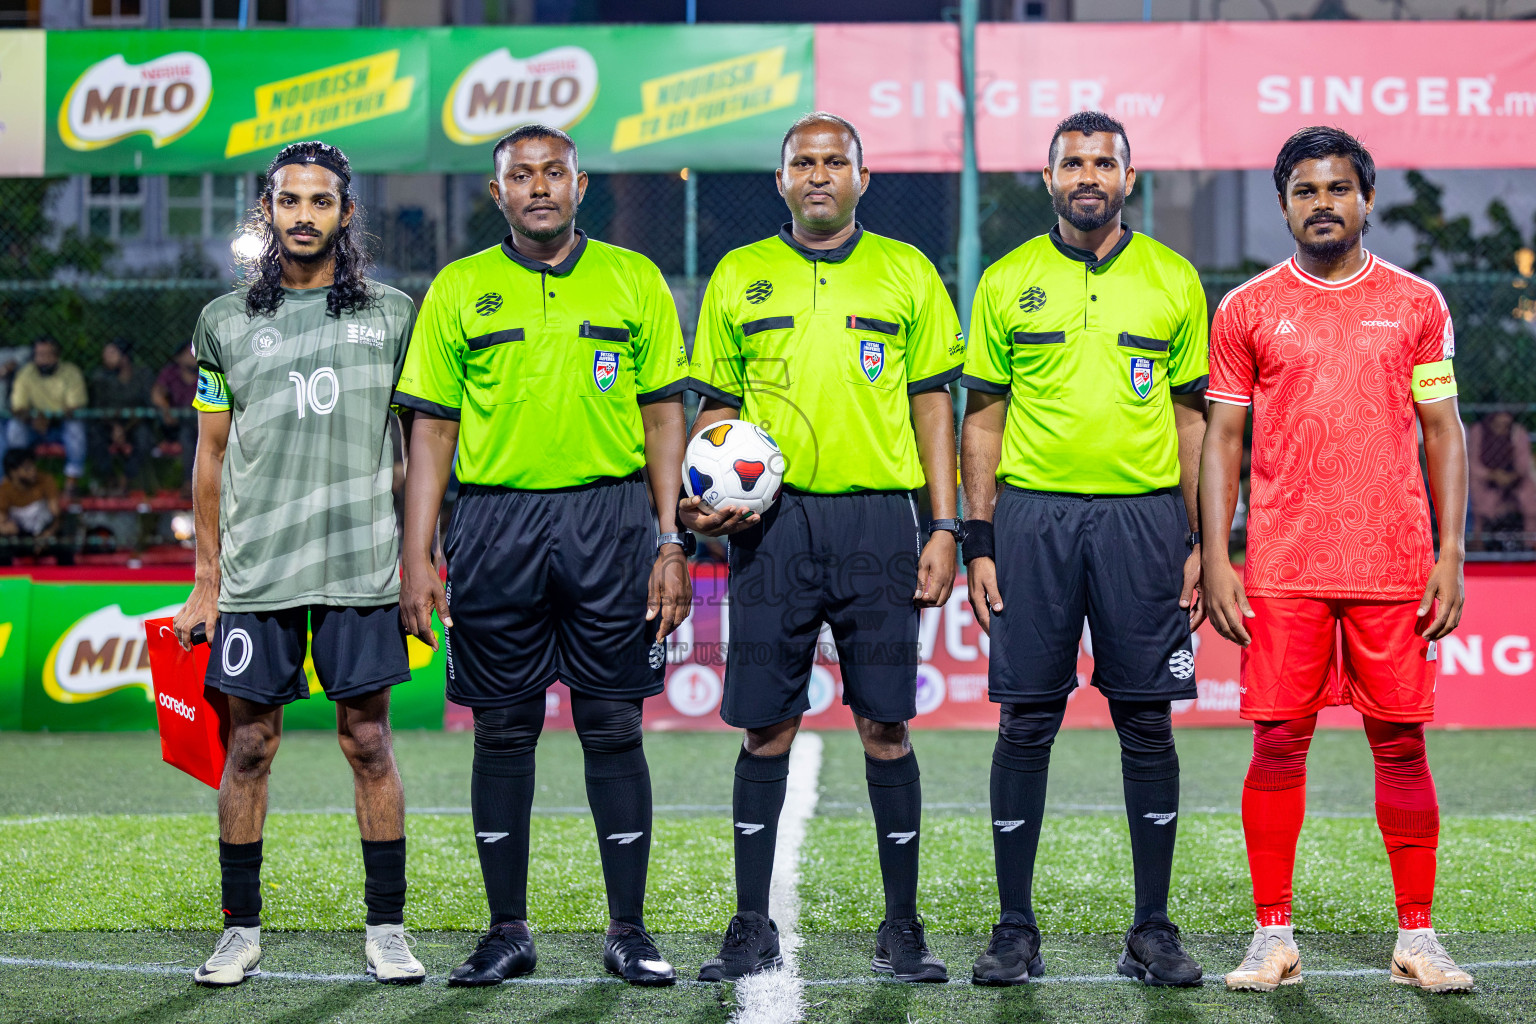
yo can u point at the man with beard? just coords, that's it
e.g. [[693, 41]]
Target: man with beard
[[296, 534], [1080, 456], [554, 363], [842, 344], [1343, 358]]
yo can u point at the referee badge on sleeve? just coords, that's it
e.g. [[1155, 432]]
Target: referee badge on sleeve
[[872, 359], [1141, 376], [605, 369]]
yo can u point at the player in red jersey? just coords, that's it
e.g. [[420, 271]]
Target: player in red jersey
[[1342, 356]]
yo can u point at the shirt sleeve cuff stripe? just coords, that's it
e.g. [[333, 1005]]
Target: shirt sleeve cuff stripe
[[937, 381], [1216, 396], [713, 393], [421, 405], [991, 387], [1432, 401], [677, 387], [1191, 387]]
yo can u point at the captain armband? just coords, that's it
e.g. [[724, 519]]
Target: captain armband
[[1434, 381]]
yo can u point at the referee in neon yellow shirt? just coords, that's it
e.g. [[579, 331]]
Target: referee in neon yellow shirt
[[1085, 409], [550, 370], [842, 344]]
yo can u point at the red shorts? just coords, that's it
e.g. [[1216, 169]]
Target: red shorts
[[1292, 668]]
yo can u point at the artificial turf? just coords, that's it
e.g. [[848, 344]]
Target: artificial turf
[[107, 857]]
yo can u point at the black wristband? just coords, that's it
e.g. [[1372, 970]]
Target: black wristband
[[978, 540]]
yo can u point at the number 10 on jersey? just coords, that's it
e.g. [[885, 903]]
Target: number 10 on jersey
[[308, 389]]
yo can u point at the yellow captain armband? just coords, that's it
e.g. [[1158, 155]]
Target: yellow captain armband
[[1434, 381], [212, 391]]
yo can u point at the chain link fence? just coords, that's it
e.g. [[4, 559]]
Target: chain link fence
[[59, 281]]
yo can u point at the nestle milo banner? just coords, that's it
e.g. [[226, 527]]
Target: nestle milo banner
[[73, 657], [195, 101], [635, 98]]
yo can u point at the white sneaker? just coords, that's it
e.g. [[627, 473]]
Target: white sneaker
[[389, 956], [1420, 960], [234, 959], [1272, 961]]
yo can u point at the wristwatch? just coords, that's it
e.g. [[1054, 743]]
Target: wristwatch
[[687, 541], [953, 526]]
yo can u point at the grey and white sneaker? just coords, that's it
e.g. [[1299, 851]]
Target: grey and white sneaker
[[389, 956], [234, 959]]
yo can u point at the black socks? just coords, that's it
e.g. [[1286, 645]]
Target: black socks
[[1150, 766], [1018, 806], [384, 880], [240, 868], [501, 799], [619, 793], [756, 801], [896, 798]]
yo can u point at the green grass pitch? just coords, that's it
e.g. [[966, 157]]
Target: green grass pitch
[[107, 858]]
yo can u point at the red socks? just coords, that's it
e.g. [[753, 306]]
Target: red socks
[[1408, 814], [1274, 805]]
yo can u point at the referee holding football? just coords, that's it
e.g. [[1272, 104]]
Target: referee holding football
[[842, 344], [554, 364], [1086, 376]]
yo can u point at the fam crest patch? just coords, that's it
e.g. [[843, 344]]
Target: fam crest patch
[[872, 359], [757, 291], [488, 303], [1141, 376], [266, 342], [1032, 299], [605, 369]]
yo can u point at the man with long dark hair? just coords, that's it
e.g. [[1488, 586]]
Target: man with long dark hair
[[551, 367], [1344, 359], [296, 533]]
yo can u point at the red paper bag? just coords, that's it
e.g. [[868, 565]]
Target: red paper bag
[[194, 719]]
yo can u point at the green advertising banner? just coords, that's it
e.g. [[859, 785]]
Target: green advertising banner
[[14, 609], [638, 98], [84, 667], [220, 101]]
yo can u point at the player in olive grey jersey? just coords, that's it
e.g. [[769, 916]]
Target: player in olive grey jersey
[[296, 533]]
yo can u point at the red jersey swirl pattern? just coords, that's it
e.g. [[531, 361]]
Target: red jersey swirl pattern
[[1337, 503]]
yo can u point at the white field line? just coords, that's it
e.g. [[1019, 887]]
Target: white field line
[[778, 996], [1063, 979]]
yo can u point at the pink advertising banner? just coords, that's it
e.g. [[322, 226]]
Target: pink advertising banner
[[1487, 676], [1191, 95]]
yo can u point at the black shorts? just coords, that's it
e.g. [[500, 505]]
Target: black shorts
[[849, 560], [547, 585], [260, 655], [1117, 561]]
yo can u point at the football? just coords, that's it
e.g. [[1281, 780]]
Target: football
[[734, 463]]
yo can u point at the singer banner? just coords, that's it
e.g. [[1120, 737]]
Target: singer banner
[[1192, 95]]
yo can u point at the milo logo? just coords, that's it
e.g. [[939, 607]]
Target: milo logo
[[163, 98], [499, 92], [101, 653]]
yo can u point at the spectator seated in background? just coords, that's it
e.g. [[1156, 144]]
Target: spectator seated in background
[[29, 510], [1503, 477], [174, 390], [44, 397], [120, 384]]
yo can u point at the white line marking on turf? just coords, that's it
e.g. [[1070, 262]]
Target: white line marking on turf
[[1062, 979], [778, 997]]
